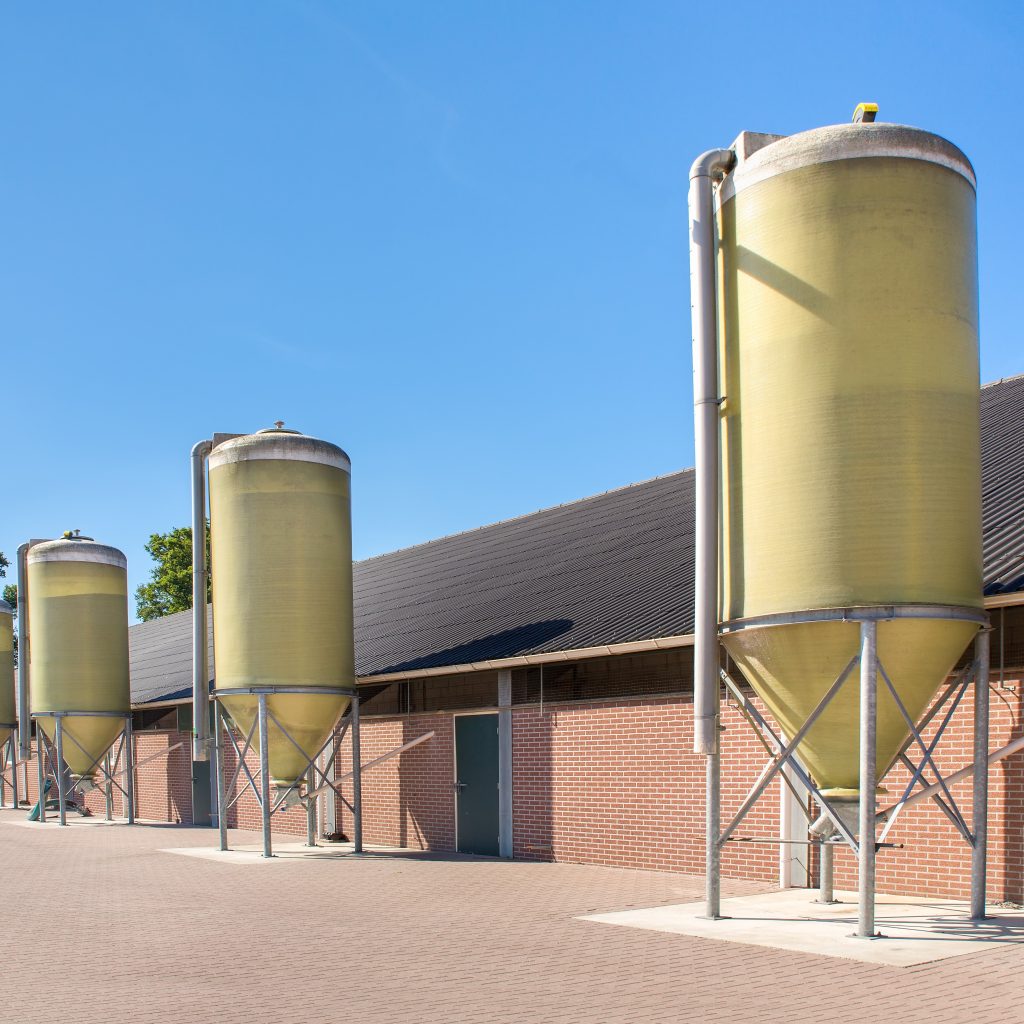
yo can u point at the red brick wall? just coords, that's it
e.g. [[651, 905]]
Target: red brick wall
[[617, 783], [408, 800], [934, 860], [163, 786]]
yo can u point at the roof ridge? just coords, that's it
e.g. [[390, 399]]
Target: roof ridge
[[525, 515], [1002, 380]]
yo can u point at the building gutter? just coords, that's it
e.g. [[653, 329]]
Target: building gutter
[[665, 643]]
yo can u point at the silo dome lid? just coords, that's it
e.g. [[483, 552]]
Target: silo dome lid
[[74, 548], [844, 142], [279, 443]]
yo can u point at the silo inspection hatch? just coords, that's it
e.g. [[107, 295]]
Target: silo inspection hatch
[[915, 930]]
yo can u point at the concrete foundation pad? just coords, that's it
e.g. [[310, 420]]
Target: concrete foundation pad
[[915, 930], [283, 852]]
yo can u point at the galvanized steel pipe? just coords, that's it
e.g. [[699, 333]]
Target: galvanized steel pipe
[[24, 719], [704, 318], [200, 575]]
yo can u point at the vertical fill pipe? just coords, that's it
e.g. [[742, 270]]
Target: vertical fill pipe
[[108, 789], [24, 717], [200, 575], [979, 851], [868, 780], [704, 319]]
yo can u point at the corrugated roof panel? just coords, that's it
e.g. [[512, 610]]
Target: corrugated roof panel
[[610, 569]]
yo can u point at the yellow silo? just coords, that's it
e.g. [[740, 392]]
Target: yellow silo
[[281, 564], [850, 459], [78, 610], [8, 710]]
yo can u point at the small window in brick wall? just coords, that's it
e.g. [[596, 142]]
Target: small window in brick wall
[[1006, 657], [458, 692], [654, 674], [154, 719]]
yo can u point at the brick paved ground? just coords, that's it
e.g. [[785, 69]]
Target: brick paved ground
[[100, 926]]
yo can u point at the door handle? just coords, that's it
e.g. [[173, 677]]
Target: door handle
[[458, 786]]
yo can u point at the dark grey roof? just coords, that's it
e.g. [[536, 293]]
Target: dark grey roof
[[160, 653], [1002, 484], [614, 568]]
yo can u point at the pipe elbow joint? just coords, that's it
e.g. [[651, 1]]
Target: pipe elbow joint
[[713, 162]]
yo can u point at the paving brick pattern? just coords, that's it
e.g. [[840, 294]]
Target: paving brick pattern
[[108, 928]]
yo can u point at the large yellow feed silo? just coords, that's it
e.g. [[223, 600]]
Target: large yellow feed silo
[[8, 711], [850, 459], [281, 565], [78, 611]]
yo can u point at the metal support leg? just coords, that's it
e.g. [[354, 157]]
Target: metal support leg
[[826, 890], [357, 780], [979, 851], [265, 773], [310, 812], [218, 752], [108, 788], [868, 781], [129, 768], [62, 790], [3, 767], [713, 830], [14, 772], [41, 770]]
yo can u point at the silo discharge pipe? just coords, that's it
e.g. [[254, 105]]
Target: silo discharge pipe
[[200, 575], [704, 317], [24, 655]]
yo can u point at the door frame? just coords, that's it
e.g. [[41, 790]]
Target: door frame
[[455, 766]]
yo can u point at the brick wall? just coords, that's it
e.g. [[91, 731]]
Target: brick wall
[[934, 860], [614, 782], [163, 786]]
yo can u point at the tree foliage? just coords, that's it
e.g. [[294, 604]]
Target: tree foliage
[[170, 586], [10, 591]]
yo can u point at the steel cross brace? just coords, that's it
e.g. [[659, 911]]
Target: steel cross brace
[[310, 761], [96, 764], [241, 766], [959, 685], [787, 756]]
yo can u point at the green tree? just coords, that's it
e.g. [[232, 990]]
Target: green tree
[[170, 587]]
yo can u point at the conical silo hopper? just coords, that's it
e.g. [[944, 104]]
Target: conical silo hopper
[[850, 465], [78, 610], [281, 564], [8, 712]]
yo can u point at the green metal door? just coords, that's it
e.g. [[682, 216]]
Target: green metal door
[[476, 784]]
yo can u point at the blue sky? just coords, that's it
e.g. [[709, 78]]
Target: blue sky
[[450, 237]]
